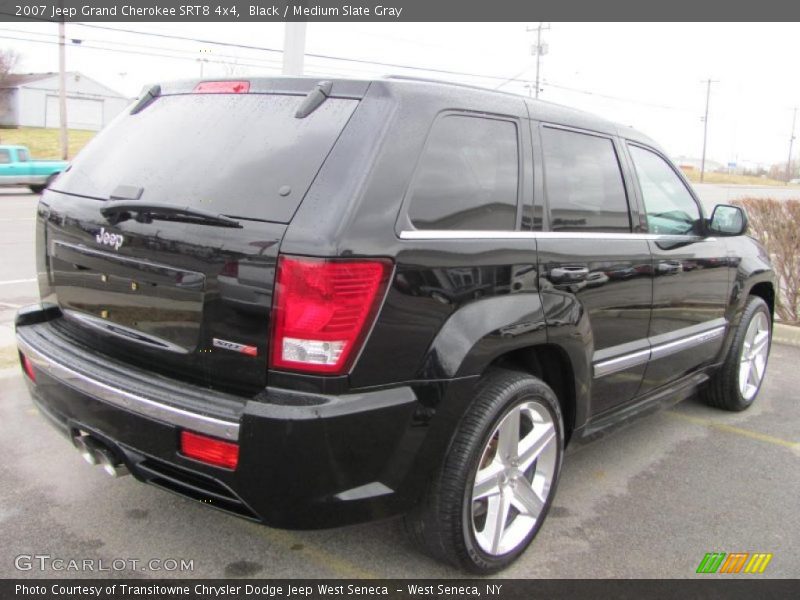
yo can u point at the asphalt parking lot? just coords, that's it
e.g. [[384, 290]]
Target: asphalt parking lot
[[648, 501]]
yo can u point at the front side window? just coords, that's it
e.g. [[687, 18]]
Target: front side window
[[22, 155], [583, 183], [669, 206], [468, 176]]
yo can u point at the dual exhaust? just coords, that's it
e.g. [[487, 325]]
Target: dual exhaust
[[96, 452]]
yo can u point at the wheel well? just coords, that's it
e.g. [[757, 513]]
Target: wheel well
[[550, 364], [766, 292]]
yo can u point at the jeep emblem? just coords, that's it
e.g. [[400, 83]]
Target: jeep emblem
[[114, 240]]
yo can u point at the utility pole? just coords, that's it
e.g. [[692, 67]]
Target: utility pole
[[708, 83], [791, 143], [538, 50], [294, 48], [203, 60], [62, 90]]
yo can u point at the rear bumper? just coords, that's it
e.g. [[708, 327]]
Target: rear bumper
[[305, 460]]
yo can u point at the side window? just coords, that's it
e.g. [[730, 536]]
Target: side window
[[5, 157], [669, 206], [583, 183], [468, 176], [22, 155]]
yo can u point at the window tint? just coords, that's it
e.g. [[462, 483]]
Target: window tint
[[669, 206], [22, 155], [5, 157], [583, 183], [467, 176], [242, 155]]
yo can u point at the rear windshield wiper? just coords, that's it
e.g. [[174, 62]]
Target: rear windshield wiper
[[147, 212]]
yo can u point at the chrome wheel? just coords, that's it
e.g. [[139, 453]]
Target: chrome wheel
[[755, 350], [514, 478]]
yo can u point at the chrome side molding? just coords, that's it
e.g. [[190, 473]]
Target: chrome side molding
[[135, 403], [658, 350]]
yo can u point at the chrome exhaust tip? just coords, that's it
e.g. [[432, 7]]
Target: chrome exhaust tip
[[95, 452], [110, 464], [88, 448]]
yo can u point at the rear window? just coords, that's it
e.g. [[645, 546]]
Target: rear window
[[242, 155]]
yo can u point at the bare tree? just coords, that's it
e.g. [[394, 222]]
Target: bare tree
[[8, 61], [774, 224]]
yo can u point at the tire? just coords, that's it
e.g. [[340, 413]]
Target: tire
[[726, 390], [38, 189], [453, 526]]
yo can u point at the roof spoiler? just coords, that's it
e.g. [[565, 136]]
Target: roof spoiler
[[314, 99], [146, 98]]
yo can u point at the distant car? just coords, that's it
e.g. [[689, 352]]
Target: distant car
[[17, 168]]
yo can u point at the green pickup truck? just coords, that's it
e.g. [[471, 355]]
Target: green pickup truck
[[17, 169]]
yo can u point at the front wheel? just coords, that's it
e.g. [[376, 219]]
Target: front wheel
[[736, 384], [489, 499]]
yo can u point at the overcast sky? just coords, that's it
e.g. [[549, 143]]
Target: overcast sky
[[645, 75]]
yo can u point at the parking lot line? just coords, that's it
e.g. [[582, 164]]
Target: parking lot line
[[754, 435], [12, 281]]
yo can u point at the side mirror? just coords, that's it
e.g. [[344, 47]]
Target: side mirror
[[727, 220]]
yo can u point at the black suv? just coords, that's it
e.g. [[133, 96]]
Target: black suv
[[312, 303]]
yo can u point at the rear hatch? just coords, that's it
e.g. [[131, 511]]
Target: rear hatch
[[163, 235]]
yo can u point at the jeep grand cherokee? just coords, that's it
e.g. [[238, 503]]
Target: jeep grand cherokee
[[312, 303]]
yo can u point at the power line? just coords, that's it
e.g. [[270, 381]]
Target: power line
[[265, 63], [138, 52], [77, 42], [308, 54]]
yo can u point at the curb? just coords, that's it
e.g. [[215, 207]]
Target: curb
[[786, 334]]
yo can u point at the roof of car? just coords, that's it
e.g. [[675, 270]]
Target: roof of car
[[540, 110]]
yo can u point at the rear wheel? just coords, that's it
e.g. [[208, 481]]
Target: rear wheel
[[736, 384], [493, 492], [38, 189]]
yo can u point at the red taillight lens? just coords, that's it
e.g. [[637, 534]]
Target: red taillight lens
[[230, 269], [222, 87], [209, 450], [27, 367], [323, 310]]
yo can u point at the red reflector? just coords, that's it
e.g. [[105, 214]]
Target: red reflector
[[222, 87], [27, 367], [209, 450], [323, 311]]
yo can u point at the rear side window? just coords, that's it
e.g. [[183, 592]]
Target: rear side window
[[583, 183], [242, 155], [5, 157], [669, 206], [468, 176]]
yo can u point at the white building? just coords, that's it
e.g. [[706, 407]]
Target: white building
[[32, 101]]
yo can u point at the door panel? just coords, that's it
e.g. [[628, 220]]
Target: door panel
[[691, 282], [609, 281], [690, 292]]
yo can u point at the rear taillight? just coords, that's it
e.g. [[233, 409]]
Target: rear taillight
[[323, 311], [222, 87], [209, 450], [230, 269], [27, 367]]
